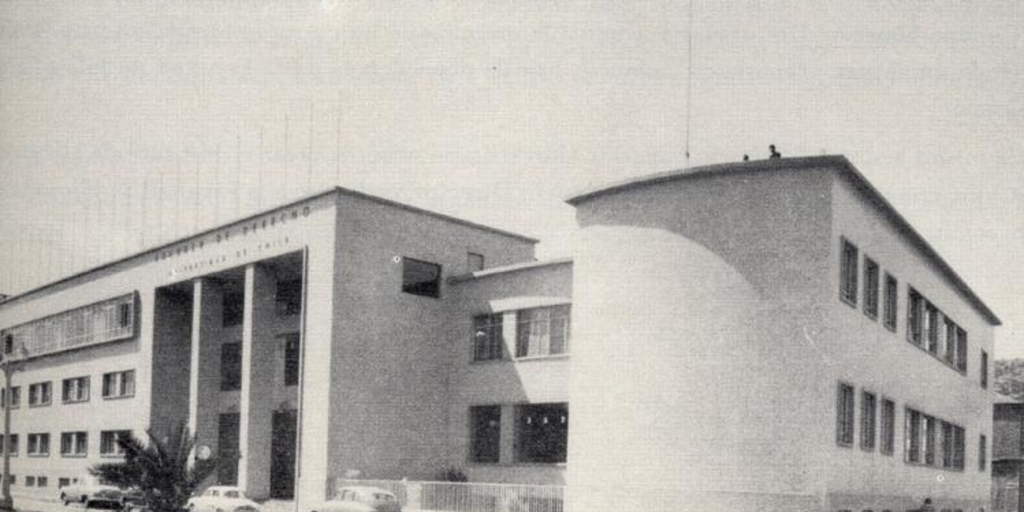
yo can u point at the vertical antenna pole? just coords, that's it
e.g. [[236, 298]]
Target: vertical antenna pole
[[689, 78]]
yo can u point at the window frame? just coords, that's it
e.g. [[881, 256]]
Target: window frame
[[845, 414], [34, 390], [887, 427], [480, 446], [78, 446], [119, 382], [559, 315], [891, 302], [36, 448], [868, 420], [524, 447], [430, 289], [849, 265], [117, 450], [83, 396], [488, 337], [872, 275]]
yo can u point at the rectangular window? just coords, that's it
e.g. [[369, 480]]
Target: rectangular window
[[230, 366], [288, 299], [984, 370], [485, 422], [542, 432], [961, 349], [946, 444], [74, 444], [929, 440], [92, 324], [30, 481], [41, 481], [844, 415], [867, 421], [39, 445], [950, 336], [421, 277], [958, 447], [912, 435], [15, 397], [119, 384], [488, 337], [474, 261], [12, 444], [63, 482], [982, 452], [915, 316], [870, 287], [888, 427], [39, 394], [542, 331], [291, 358], [848, 273], [891, 301], [75, 390], [108, 442], [931, 324], [232, 309], [124, 314]]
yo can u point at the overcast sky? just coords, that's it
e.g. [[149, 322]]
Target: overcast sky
[[114, 114]]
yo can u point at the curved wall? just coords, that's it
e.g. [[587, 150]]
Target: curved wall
[[689, 389]]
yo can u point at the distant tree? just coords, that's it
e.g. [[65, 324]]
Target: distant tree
[[159, 468]]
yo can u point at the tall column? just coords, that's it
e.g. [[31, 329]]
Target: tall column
[[256, 398], [204, 377]]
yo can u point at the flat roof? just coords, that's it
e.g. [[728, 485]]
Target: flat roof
[[505, 269], [312, 197], [837, 162]]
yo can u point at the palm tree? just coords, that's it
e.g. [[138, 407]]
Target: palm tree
[[160, 469]]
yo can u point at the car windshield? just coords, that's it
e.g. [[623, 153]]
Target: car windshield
[[232, 494], [383, 497]]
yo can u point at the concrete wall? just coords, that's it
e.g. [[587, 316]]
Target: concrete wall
[[871, 357], [507, 382], [390, 355], [695, 369]]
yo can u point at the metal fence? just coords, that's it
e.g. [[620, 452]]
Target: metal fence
[[467, 497]]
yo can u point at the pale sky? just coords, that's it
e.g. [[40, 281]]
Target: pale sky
[[114, 114]]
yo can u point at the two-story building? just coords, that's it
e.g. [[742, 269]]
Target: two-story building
[[749, 336]]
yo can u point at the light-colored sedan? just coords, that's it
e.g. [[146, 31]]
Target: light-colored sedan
[[222, 498], [89, 488], [360, 499]]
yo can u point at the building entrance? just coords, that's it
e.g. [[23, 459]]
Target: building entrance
[[282, 453]]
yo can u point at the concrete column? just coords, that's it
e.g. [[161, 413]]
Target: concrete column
[[204, 377], [256, 397]]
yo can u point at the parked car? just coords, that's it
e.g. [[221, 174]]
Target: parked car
[[360, 499], [88, 488], [222, 498]]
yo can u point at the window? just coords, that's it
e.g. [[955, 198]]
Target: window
[[291, 358], [947, 444], [74, 444], [912, 435], [92, 324], [15, 397], [231, 366], [124, 314], [984, 369], [982, 452], [931, 324], [867, 421], [929, 439], [108, 442], [890, 302], [421, 278], [75, 390], [950, 354], [8, 343], [958, 447], [41, 481], [485, 422], [888, 430], [848, 273], [870, 287], [542, 331], [12, 444], [488, 337], [915, 316], [844, 415], [961, 349], [30, 481], [542, 432], [288, 300], [39, 394], [474, 261], [63, 482], [39, 445], [119, 384], [233, 309]]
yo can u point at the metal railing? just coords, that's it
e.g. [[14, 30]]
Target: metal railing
[[467, 497]]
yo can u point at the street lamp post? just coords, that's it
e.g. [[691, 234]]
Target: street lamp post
[[7, 364]]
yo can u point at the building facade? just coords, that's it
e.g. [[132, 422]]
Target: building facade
[[746, 336]]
